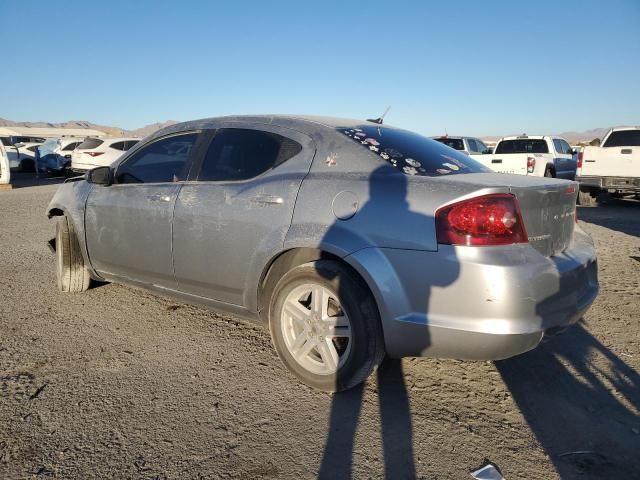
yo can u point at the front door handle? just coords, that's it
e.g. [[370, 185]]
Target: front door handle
[[159, 198], [268, 199]]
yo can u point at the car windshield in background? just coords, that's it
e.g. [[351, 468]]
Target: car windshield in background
[[455, 143], [90, 143], [522, 145], [623, 138], [412, 153]]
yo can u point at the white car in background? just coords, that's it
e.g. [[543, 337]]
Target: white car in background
[[54, 155], [468, 145], [99, 152], [5, 174], [22, 156]]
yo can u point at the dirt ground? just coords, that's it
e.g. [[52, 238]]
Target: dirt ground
[[120, 383]]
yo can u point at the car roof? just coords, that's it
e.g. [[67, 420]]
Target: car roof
[[620, 129], [309, 124]]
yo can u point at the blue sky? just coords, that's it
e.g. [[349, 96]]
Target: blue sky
[[475, 68]]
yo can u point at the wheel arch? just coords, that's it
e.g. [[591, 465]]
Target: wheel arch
[[291, 258]]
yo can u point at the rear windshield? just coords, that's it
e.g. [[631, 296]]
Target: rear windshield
[[522, 145], [412, 153], [455, 143], [90, 143], [623, 138]]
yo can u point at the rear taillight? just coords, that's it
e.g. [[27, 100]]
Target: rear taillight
[[94, 154], [531, 164], [488, 220], [579, 162]]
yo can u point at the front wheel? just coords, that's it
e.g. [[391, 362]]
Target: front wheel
[[587, 198], [325, 326], [71, 272]]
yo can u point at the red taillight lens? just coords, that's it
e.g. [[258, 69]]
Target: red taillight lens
[[94, 154], [488, 220], [531, 164], [579, 161]]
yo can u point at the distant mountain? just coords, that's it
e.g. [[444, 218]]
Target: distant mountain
[[115, 131]]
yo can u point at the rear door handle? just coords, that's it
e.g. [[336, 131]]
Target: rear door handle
[[268, 199], [626, 151], [159, 198], [496, 160]]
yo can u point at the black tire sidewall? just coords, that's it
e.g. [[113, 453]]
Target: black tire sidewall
[[357, 303]]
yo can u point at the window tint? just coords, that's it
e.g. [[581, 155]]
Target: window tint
[[130, 143], [412, 153], [455, 143], [163, 161], [71, 146], [522, 145], [623, 138], [238, 154], [90, 143], [117, 146], [6, 141]]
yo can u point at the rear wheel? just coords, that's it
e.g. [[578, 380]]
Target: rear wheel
[[587, 197], [549, 173], [71, 272], [325, 326]]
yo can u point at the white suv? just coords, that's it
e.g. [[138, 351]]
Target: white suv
[[99, 152]]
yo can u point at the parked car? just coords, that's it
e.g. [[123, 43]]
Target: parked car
[[539, 155], [22, 156], [350, 239], [5, 173], [612, 168], [99, 151], [54, 155], [468, 145]]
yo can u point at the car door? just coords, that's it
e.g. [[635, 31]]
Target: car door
[[128, 223], [234, 213], [564, 160]]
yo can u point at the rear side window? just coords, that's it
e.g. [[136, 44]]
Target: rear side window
[[522, 145], [239, 154], [118, 146], [6, 141], [162, 161], [455, 143], [71, 146], [623, 138], [90, 143], [412, 153]]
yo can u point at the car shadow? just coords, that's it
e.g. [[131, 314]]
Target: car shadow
[[387, 196], [620, 215], [23, 180], [582, 402]]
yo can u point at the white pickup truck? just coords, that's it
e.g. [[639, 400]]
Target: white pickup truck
[[613, 168], [541, 155]]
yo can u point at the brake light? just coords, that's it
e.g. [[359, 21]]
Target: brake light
[[531, 164], [94, 154], [579, 162], [493, 219]]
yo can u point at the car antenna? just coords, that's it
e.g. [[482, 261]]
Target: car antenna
[[379, 120]]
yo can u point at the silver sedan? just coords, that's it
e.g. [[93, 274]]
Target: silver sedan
[[349, 239]]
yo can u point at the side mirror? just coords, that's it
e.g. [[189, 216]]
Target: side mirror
[[572, 151], [487, 151], [67, 156], [100, 176]]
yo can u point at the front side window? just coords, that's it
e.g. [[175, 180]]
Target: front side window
[[412, 153], [473, 146], [163, 161], [522, 145], [129, 143], [240, 154], [623, 138]]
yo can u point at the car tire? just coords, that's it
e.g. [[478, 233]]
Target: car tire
[[71, 272], [587, 198], [549, 173], [355, 339]]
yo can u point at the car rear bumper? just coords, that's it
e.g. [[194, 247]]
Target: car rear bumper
[[630, 184], [477, 303]]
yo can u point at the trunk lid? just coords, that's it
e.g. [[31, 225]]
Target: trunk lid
[[548, 211]]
